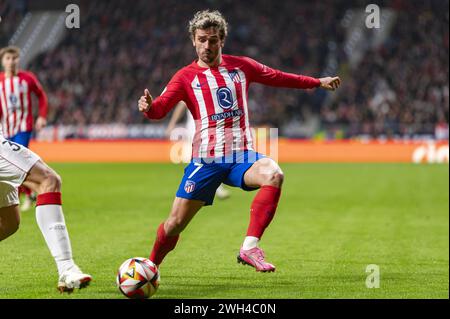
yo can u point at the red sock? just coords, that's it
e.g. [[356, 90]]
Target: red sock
[[263, 209], [53, 198], [163, 245]]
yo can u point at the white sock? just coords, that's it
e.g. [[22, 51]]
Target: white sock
[[250, 242], [50, 219]]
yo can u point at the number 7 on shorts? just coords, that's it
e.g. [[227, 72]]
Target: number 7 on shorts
[[199, 165]]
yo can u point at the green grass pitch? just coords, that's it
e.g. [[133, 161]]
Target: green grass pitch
[[333, 220]]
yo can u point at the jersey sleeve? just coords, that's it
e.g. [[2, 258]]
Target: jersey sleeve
[[260, 73], [37, 89], [171, 95]]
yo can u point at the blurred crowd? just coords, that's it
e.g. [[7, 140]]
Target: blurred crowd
[[11, 13], [401, 87], [99, 71]]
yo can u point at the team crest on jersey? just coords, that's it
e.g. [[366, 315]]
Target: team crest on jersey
[[234, 76], [13, 99], [189, 186], [225, 98]]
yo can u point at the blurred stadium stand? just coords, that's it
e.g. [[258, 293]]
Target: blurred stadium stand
[[395, 79]]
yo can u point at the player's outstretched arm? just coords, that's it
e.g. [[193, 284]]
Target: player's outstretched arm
[[145, 102], [330, 83], [260, 73]]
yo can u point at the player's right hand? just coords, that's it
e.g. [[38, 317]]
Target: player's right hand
[[145, 102]]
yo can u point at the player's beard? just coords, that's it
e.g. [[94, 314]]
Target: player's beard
[[209, 57]]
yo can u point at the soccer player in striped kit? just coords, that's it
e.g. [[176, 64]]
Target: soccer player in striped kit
[[16, 112], [214, 88]]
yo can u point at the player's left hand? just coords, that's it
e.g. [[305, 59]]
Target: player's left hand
[[145, 102], [330, 83], [41, 122]]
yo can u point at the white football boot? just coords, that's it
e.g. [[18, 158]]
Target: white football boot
[[73, 278]]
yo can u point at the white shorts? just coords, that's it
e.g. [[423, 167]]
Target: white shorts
[[15, 163]]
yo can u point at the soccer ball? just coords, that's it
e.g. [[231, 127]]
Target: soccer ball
[[138, 278]]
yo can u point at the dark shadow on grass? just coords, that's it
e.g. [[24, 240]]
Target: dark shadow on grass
[[209, 291], [208, 286]]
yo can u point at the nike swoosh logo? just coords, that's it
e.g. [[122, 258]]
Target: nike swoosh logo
[[256, 261], [200, 84]]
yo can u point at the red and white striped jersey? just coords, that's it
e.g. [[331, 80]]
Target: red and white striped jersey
[[217, 100], [15, 102]]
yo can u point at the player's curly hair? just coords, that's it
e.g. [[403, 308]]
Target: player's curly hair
[[206, 19]]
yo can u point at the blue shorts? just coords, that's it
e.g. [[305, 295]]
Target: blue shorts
[[22, 138], [202, 177]]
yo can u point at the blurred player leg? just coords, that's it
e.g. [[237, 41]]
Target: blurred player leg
[[20, 166], [28, 200], [183, 210], [187, 151], [50, 218], [222, 192], [10, 178], [23, 138], [267, 175]]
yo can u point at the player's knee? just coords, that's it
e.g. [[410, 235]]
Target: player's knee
[[273, 176], [270, 173], [52, 182], [276, 178]]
